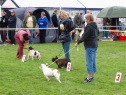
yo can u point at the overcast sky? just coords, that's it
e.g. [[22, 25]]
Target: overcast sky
[[71, 3]]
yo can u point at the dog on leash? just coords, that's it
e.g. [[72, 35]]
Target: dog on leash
[[32, 53], [49, 72], [81, 33], [78, 33], [61, 62]]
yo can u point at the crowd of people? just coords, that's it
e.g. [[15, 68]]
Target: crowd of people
[[30, 22]]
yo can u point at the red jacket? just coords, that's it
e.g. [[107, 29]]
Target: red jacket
[[19, 34]]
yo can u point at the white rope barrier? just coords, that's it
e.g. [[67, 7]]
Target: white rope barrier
[[16, 29]]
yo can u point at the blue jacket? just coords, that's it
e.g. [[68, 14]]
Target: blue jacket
[[44, 22]]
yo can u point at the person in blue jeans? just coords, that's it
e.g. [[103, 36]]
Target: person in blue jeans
[[65, 28], [106, 34], [90, 39]]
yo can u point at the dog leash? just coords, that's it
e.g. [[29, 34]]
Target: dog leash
[[61, 56], [60, 52]]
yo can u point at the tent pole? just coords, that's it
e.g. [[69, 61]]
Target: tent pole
[[0, 7], [60, 5], [82, 5]]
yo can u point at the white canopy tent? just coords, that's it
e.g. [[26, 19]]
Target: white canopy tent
[[9, 4], [71, 3]]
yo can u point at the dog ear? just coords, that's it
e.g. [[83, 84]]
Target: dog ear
[[31, 47], [53, 59]]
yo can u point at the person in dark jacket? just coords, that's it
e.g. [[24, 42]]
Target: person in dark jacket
[[65, 28], [90, 39], [78, 23], [55, 22], [12, 24], [42, 22], [3, 25]]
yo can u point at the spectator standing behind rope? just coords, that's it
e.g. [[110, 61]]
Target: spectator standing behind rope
[[87, 12], [42, 22], [3, 25], [55, 22], [90, 39], [21, 38], [12, 24], [30, 22], [65, 27], [78, 24], [73, 31]]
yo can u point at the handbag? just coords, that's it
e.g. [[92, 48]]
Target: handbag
[[64, 37]]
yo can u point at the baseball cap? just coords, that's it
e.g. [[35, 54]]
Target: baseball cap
[[12, 11]]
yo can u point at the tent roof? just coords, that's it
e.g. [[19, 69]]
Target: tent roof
[[63, 3], [9, 4], [70, 3]]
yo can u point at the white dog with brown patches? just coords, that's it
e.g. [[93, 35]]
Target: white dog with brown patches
[[49, 72]]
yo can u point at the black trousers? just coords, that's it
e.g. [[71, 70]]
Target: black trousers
[[42, 35], [55, 40], [11, 34], [3, 34]]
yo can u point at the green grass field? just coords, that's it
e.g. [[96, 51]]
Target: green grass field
[[18, 78]]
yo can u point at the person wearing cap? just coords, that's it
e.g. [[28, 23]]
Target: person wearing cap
[[30, 22], [12, 24], [21, 38]]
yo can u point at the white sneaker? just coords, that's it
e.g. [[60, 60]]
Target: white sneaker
[[24, 58], [4, 44]]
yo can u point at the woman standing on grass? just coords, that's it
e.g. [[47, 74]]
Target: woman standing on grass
[[90, 39], [21, 38], [65, 27]]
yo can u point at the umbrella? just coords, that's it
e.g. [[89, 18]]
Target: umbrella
[[112, 12]]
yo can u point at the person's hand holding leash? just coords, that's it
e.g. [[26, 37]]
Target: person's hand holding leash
[[58, 41], [76, 45]]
